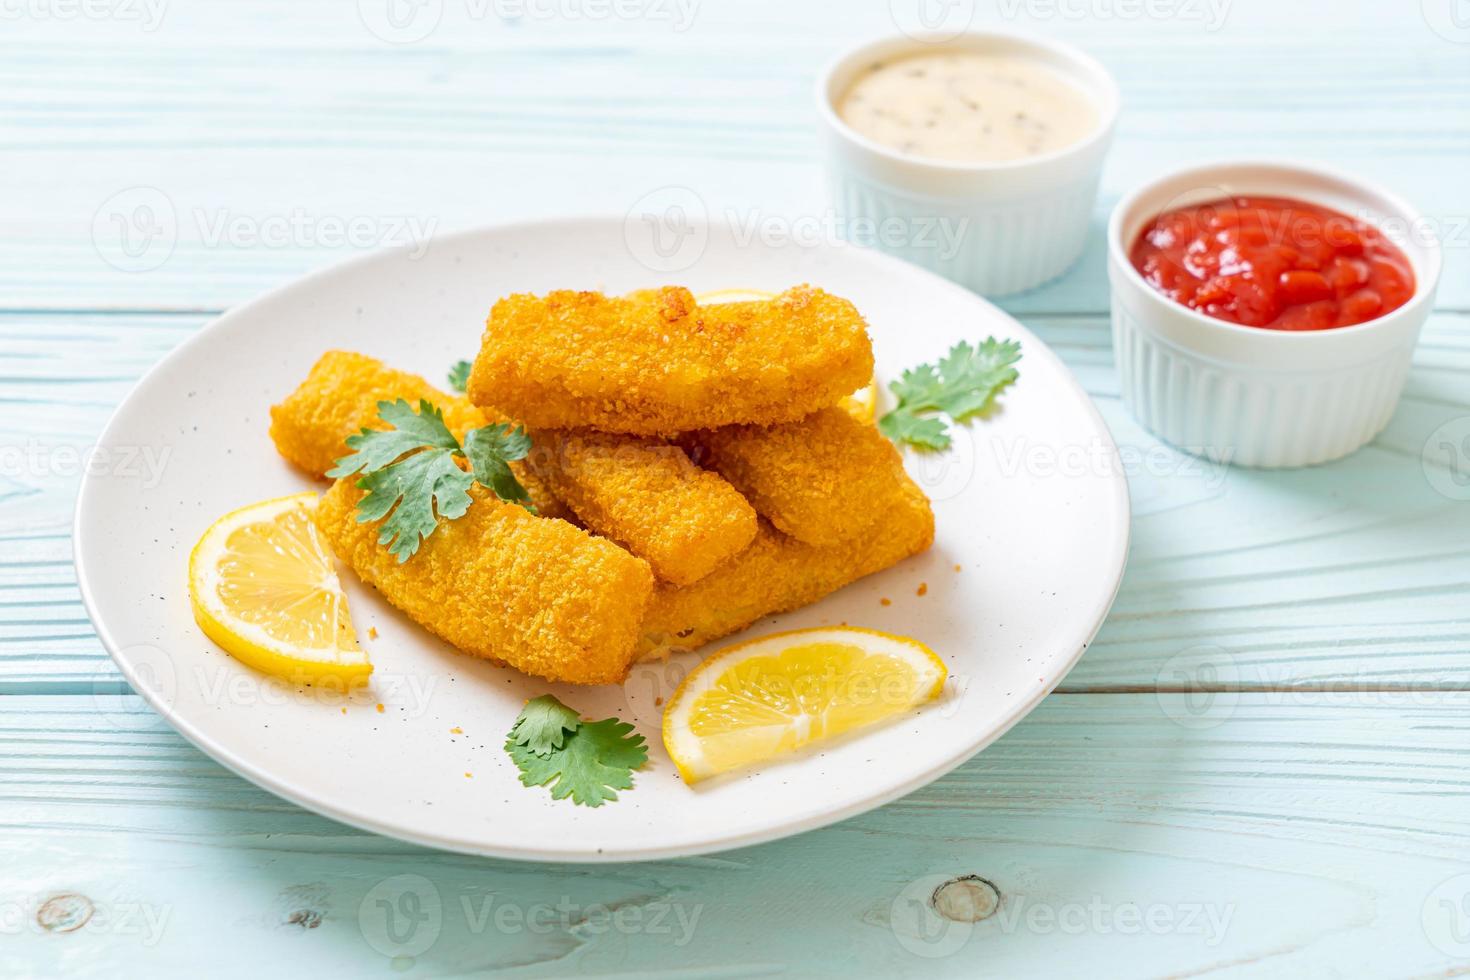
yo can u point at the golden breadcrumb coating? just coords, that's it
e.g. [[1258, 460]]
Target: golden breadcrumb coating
[[656, 363], [647, 496], [500, 583], [824, 479], [340, 397], [777, 574]]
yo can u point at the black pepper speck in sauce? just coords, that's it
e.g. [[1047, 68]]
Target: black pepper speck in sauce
[[969, 108]]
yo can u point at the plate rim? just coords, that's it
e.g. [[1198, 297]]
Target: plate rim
[[92, 483]]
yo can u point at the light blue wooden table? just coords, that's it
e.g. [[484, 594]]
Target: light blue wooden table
[[1261, 767]]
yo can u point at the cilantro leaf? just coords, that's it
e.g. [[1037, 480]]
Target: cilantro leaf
[[926, 433], [592, 761], [459, 376], [490, 450], [973, 376], [597, 759], [412, 471], [543, 725], [412, 488], [377, 448], [962, 385]]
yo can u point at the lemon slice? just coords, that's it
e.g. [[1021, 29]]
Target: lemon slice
[[264, 587], [716, 296], [863, 403], [769, 696]]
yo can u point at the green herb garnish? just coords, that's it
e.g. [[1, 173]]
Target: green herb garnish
[[543, 725], [586, 760], [490, 450], [962, 385], [459, 376], [410, 470]]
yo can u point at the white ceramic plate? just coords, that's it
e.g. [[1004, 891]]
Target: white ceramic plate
[[1031, 506]]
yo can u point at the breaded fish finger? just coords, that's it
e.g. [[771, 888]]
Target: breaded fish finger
[[777, 574], [340, 396], [647, 496], [656, 363], [541, 596], [823, 479]]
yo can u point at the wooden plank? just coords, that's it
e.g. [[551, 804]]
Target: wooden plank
[[63, 375], [1297, 810], [244, 130], [1304, 837], [1346, 575]]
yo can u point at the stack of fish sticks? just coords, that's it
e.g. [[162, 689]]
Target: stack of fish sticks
[[691, 469]]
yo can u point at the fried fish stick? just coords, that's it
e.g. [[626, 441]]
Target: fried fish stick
[[541, 596], [649, 497], [340, 396], [656, 363], [777, 574], [824, 479]]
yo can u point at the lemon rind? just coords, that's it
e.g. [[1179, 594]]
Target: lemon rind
[[246, 642], [684, 749]]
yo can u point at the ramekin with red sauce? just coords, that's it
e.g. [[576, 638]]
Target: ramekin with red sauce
[[1266, 314]]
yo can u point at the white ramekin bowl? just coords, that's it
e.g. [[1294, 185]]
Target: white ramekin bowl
[[996, 228], [1255, 397]]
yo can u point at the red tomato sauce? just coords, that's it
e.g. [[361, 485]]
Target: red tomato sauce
[[1273, 262]]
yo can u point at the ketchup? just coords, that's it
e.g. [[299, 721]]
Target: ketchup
[[1273, 262]]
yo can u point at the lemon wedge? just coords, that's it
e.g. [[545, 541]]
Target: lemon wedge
[[756, 700], [863, 403], [717, 296], [264, 587]]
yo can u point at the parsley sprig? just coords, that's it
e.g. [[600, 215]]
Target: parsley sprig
[[586, 760], [459, 376], [411, 473], [961, 386]]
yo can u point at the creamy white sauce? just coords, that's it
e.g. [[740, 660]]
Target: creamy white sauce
[[968, 107]]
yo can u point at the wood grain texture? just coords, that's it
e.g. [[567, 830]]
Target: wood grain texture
[[1261, 837], [265, 113], [1258, 769]]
